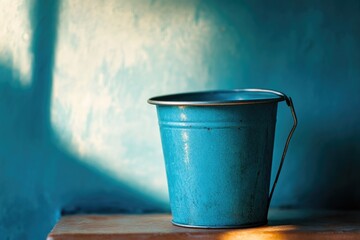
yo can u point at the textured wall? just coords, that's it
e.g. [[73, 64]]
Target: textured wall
[[76, 133]]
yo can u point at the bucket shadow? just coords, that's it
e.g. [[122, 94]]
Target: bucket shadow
[[337, 165]]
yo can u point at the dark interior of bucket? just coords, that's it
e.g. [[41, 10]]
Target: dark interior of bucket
[[221, 96]]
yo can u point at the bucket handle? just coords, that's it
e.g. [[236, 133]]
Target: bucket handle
[[289, 102]]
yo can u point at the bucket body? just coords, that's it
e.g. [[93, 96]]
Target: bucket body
[[218, 163], [218, 149]]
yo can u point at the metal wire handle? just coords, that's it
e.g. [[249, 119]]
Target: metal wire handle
[[291, 105]]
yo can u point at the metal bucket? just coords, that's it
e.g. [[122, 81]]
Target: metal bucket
[[218, 148]]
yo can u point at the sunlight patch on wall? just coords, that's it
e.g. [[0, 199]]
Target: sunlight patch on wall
[[111, 57], [15, 38]]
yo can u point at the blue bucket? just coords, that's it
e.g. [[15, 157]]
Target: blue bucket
[[218, 148]]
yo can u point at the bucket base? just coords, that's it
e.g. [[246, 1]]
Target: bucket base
[[250, 225]]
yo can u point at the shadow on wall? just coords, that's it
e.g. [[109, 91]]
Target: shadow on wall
[[307, 51], [311, 52], [334, 169], [39, 179], [343, 173]]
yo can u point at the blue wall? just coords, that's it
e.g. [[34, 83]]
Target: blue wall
[[76, 134]]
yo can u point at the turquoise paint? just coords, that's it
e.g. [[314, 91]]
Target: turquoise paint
[[309, 50]]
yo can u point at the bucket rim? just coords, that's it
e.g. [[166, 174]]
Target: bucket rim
[[176, 99]]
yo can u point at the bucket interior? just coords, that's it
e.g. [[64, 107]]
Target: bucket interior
[[224, 97]]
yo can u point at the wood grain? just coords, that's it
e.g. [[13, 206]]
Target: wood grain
[[283, 224]]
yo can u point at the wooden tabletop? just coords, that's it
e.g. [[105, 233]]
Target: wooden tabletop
[[283, 224]]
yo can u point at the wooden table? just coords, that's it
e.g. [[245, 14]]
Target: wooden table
[[283, 224]]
